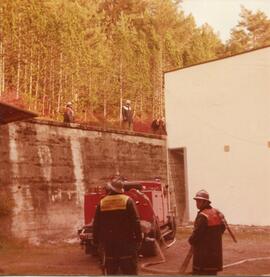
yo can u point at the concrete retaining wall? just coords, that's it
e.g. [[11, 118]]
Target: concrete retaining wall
[[46, 168]]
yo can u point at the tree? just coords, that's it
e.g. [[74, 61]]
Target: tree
[[96, 54], [205, 46], [252, 31]]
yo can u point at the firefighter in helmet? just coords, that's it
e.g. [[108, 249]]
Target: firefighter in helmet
[[117, 229], [206, 238]]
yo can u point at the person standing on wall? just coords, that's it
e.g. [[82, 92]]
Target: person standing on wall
[[127, 116], [155, 125], [206, 238], [158, 126], [162, 126], [117, 229], [69, 113]]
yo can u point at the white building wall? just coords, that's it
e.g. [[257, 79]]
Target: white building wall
[[225, 102]]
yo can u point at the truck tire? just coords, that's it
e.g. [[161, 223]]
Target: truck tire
[[148, 248]]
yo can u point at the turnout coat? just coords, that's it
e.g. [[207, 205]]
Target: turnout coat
[[206, 240], [117, 226]]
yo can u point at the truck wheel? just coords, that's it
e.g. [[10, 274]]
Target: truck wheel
[[148, 248]]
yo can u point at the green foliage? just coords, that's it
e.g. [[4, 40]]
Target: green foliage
[[206, 46], [97, 53], [252, 31]]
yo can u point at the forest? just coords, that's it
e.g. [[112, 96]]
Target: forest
[[98, 53]]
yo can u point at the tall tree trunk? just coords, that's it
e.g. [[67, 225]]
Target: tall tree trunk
[[1, 54], [153, 81], [19, 62], [53, 91], [60, 83], [50, 83], [104, 100], [91, 110], [30, 75], [104, 105], [141, 103], [76, 99], [72, 86], [44, 97], [1, 68], [157, 99], [66, 79], [135, 103], [77, 80], [121, 87], [3, 71], [37, 84], [25, 78], [44, 91], [160, 82]]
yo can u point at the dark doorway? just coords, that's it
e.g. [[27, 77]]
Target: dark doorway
[[177, 178]]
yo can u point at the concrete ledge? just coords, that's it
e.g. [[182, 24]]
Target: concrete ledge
[[95, 128]]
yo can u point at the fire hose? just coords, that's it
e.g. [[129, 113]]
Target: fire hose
[[247, 260], [188, 257], [145, 266]]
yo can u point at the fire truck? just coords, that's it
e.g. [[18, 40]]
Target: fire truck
[[153, 204]]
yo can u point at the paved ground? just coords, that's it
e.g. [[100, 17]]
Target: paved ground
[[252, 243], [17, 258]]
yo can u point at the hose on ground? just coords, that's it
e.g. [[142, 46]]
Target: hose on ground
[[247, 260], [145, 266]]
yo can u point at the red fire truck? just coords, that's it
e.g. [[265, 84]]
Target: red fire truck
[[153, 204]]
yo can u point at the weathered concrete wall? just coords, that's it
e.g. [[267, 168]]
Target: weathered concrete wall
[[47, 167]]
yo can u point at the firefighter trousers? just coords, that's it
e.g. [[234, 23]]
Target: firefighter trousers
[[126, 265], [204, 272]]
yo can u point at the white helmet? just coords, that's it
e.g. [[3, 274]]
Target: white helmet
[[203, 195]]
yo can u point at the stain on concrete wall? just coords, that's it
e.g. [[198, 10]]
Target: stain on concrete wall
[[46, 168]]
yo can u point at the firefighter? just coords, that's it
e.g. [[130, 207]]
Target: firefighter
[[206, 238], [117, 229]]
